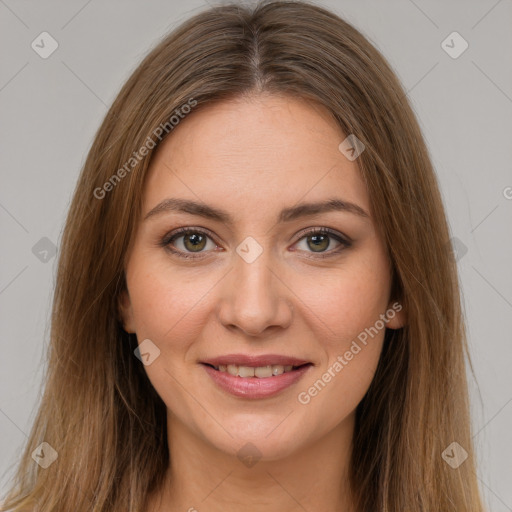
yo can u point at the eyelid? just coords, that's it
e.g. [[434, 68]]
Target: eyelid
[[189, 229], [317, 230]]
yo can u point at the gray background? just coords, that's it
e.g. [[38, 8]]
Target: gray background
[[51, 108]]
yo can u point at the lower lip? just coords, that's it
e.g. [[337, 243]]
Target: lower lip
[[254, 387]]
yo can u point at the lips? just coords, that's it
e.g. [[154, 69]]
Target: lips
[[255, 376]]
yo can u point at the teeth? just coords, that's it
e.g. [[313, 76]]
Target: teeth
[[277, 369], [263, 371], [249, 371], [245, 371]]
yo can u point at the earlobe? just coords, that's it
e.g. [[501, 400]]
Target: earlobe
[[396, 314], [125, 311]]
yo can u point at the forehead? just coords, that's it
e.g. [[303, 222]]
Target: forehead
[[248, 154]]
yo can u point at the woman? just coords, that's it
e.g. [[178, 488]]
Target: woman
[[257, 304]]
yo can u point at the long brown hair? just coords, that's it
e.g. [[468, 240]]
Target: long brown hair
[[99, 411]]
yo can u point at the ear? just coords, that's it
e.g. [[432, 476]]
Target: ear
[[126, 311], [396, 314]]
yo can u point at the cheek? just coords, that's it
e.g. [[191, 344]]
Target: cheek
[[169, 308], [344, 301], [345, 319], [168, 305], [343, 311]]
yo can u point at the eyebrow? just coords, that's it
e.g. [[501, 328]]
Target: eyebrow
[[286, 215]]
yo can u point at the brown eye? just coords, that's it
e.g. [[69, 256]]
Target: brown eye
[[318, 242], [194, 242], [185, 242]]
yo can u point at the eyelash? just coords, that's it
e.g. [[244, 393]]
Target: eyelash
[[345, 242]]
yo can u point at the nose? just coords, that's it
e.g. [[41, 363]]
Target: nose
[[254, 297]]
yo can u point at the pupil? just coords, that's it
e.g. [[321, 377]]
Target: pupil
[[195, 239], [316, 240]]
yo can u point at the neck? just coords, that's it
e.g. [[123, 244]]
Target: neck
[[202, 477]]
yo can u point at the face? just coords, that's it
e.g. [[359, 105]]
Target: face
[[265, 278]]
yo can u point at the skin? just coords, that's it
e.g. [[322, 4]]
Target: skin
[[252, 157]]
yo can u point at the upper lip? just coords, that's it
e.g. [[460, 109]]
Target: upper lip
[[255, 361]]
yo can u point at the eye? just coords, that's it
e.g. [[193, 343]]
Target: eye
[[193, 240], [318, 240]]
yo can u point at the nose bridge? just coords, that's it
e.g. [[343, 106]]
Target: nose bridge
[[255, 275], [254, 298]]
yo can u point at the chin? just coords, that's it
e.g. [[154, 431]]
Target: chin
[[263, 440]]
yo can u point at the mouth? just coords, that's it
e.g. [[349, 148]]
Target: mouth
[[255, 377]]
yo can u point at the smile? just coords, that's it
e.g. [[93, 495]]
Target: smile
[[255, 382]]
